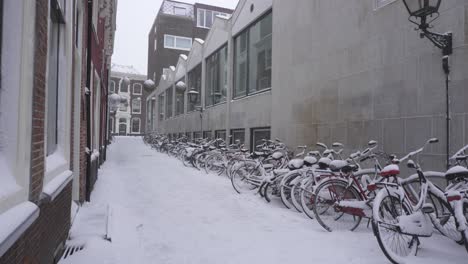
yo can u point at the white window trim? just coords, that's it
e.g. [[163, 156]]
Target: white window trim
[[175, 42], [141, 88], [139, 125], [215, 14], [18, 54], [112, 87], [133, 110], [179, 7], [381, 3]]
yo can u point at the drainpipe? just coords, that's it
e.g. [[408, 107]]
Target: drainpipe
[[88, 102]]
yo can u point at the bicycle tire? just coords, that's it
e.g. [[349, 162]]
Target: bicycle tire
[[326, 216]]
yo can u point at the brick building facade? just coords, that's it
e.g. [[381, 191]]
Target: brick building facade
[[44, 138]]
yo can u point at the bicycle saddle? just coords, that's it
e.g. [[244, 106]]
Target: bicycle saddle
[[456, 172], [337, 165]]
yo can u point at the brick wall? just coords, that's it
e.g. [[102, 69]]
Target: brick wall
[[39, 91], [83, 117], [48, 233]]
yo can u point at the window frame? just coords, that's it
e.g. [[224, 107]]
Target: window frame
[[174, 8], [207, 133], [220, 75], [138, 99], [252, 135], [246, 30], [141, 89], [193, 72], [166, 36], [139, 125], [112, 86], [237, 130], [214, 15]]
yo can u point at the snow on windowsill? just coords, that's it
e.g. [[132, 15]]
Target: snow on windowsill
[[53, 188], [8, 184], [54, 161], [14, 222]]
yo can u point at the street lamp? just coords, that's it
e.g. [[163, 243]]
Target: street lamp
[[422, 10], [193, 96], [149, 85]]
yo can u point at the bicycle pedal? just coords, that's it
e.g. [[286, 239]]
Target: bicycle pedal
[[428, 209]]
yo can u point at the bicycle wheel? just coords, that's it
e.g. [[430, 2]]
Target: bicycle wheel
[[285, 190], [443, 219], [243, 180], [327, 195], [396, 246], [296, 196], [307, 199], [465, 233]]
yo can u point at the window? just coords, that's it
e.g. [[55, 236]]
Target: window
[[161, 107], [136, 125], [124, 106], [176, 42], [238, 134], [220, 134], [180, 101], [258, 135], [205, 18], [137, 88], [180, 11], [112, 87], [253, 58], [53, 85], [194, 81], [123, 87], [197, 135], [188, 135], [111, 124], [136, 106], [169, 94], [216, 77], [155, 44], [95, 14], [207, 134], [382, 3]]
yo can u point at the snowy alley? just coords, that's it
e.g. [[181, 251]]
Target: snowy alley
[[163, 212]]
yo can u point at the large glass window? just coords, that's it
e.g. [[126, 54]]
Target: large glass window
[[137, 88], [205, 18], [180, 101], [53, 87], [194, 82], [136, 125], [112, 87], [177, 42], [169, 97], [253, 58], [136, 106], [216, 77], [197, 135], [161, 107], [207, 134], [237, 135], [258, 135]]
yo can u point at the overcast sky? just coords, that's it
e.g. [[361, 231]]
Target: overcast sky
[[134, 20]]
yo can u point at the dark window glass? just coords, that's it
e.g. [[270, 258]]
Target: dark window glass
[[253, 58], [194, 81], [216, 77], [207, 134], [237, 134], [258, 135], [169, 95]]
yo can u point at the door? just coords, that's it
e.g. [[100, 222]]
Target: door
[[122, 129]]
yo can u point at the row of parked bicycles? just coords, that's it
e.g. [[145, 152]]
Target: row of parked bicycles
[[341, 192]]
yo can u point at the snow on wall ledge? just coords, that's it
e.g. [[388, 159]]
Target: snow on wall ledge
[[14, 222], [55, 186]]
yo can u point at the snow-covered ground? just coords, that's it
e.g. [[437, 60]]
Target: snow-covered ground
[[163, 212]]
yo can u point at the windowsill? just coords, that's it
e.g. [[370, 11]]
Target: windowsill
[[52, 189], [56, 166], [251, 95], [15, 222], [173, 48], [135, 113], [212, 106]]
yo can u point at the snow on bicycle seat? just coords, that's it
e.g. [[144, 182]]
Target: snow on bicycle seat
[[324, 163], [349, 168], [277, 155], [337, 165], [295, 164], [390, 170], [456, 172], [309, 161]]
